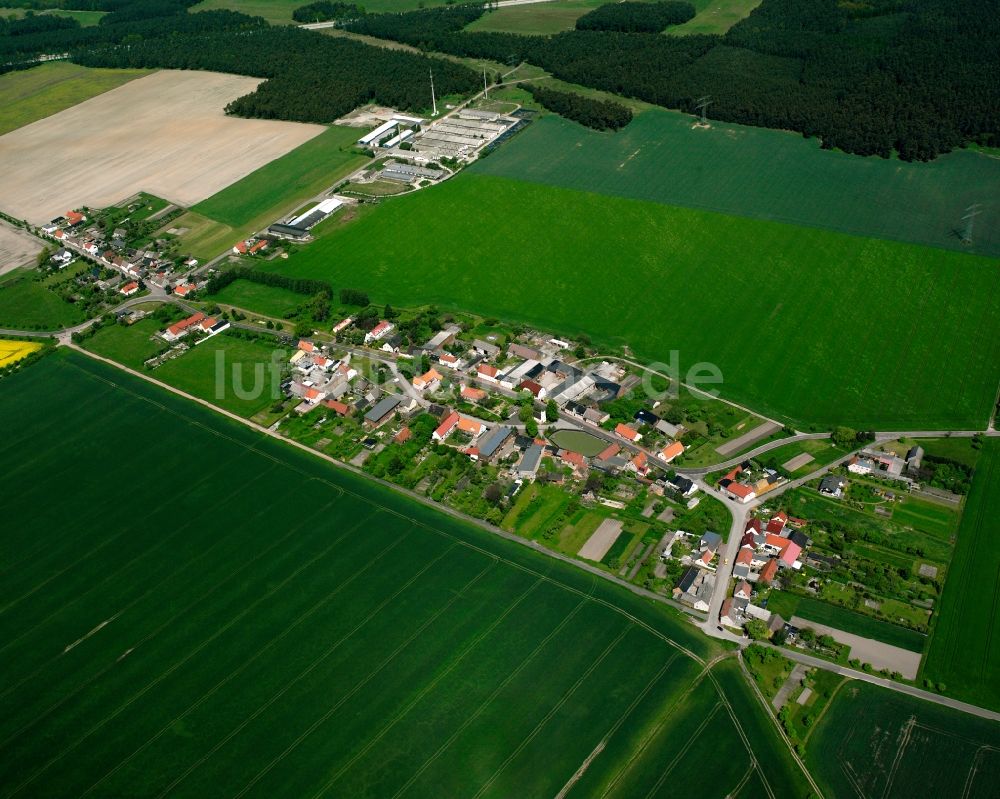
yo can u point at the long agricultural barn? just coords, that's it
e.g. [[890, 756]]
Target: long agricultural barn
[[398, 120]]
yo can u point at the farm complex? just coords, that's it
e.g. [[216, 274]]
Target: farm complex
[[560, 398]]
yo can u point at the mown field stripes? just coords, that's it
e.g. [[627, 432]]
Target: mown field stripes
[[230, 616]]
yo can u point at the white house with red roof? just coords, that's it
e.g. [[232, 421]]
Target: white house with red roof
[[181, 328], [628, 433], [184, 289], [487, 372], [671, 451], [380, 331], [129, 289], [444, 429]]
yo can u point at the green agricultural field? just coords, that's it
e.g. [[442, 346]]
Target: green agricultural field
[[715, 16], [964, 650], [281, 186], [788, 605], [32, 94], [537, 19], [874, 742], [276, 625], [663, 279], [25, 304], [207, 371], [760, 173], [272, 301]]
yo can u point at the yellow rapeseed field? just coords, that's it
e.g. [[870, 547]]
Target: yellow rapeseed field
[[11, 351]]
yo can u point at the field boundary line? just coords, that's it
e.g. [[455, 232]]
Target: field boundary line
[[614, 728], [426, 689], [82, 558], [684, 750], [224, 628], [302, 617], [665, 718], [446, 510], [368, 678], [486, 702], [122, 610], [308, 670], [911, 722], [833, 695], [774, 721], [553, 710]]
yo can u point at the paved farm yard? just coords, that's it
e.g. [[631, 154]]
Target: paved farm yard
[[211, 613], [166, 134]]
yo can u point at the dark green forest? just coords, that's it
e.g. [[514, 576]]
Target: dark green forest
[[310, 77], [915, 77]]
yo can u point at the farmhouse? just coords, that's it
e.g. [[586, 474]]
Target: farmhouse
[[487, 372], [473, 394], [181, 328], [428, 381], [381, 330], [444, 429], [671, 451], [628, 433]]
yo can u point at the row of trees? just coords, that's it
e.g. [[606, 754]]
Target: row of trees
[[918, 77], [299, 285], [597, 114], [325, 10], [633, 17]]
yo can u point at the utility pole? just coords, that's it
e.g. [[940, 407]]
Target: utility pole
[[434, 103], [702, 106], [486, 89], [971, 213]]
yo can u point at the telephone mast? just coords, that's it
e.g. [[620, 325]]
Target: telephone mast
[[434, 104]]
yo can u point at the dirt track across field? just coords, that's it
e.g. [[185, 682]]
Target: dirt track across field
[[166, 134]]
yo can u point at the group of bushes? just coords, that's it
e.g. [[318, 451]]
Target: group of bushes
[[325, 10]]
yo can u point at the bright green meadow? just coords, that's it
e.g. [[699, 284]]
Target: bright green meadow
[[810, 325]]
